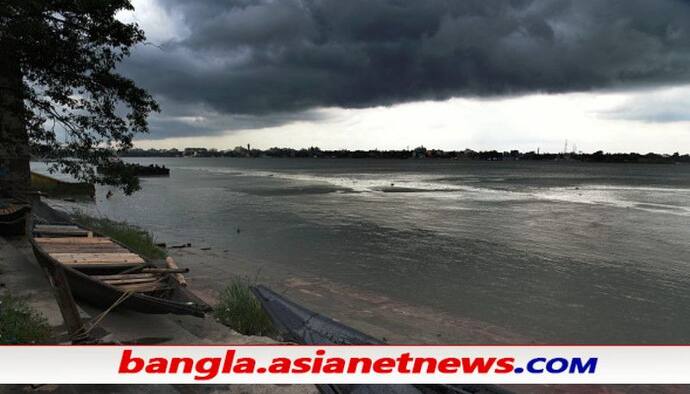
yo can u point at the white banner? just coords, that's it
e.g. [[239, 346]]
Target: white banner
[[281, 364]]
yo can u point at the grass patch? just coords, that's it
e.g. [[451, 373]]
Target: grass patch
[[140, 241], [20, 324], [239, 310]]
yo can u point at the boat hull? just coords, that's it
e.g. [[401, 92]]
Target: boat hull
[[13, 228], [178, 299], [13, 219], [98, 294], [301, 325]]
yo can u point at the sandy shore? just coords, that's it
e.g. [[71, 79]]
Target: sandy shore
[[374, 314]]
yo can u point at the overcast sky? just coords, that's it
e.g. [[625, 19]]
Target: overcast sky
[[387, 74]]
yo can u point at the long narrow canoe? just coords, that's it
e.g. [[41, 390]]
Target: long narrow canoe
[[100, 271], [298, 324]]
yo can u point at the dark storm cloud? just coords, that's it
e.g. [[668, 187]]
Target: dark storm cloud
[[257, 57], [197, 119]]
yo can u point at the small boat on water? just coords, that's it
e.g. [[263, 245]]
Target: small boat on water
[[301, 325], [13, 216], [135, 169], [152, 170], [101, 272]]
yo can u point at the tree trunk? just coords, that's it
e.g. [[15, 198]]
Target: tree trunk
[[15, 174]]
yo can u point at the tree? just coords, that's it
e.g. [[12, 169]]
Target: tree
[[60, 95]]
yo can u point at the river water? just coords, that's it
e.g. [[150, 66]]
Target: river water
[[553, 251]]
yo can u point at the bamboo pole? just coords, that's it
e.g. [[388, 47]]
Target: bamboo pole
[[170, 262]]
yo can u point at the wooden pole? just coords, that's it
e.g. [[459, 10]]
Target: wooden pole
[[63, 296], [173, 266]]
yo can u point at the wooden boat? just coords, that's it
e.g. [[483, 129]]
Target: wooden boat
[[152, 170], [57, 188], [301, 325], [13, 216], [134, 169], [101, 271]]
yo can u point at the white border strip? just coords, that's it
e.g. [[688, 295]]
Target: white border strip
[[101, 364]]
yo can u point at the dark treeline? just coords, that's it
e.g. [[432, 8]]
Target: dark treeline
[[417, 153]]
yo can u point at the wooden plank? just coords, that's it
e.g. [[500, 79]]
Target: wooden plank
[[81, 245], [143, 288], [101, 265], [73, 240], [129, 281], [84, 249], [63, 240], [136, 268], [170, 262], [71, 234], [66, 230], [102, 245], [127, 262], [97, 258], [55, 234], [124, 276], [85, 246], [105, 255], [150, 284], [41, 227]]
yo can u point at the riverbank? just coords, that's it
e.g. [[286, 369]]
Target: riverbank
[[213, 269], [22, 277], [390, 320], [380, 316]]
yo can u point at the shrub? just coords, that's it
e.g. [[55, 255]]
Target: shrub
[[241, 311], [20, 324]]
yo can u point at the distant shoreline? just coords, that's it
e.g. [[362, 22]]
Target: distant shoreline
[[417, 153]]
